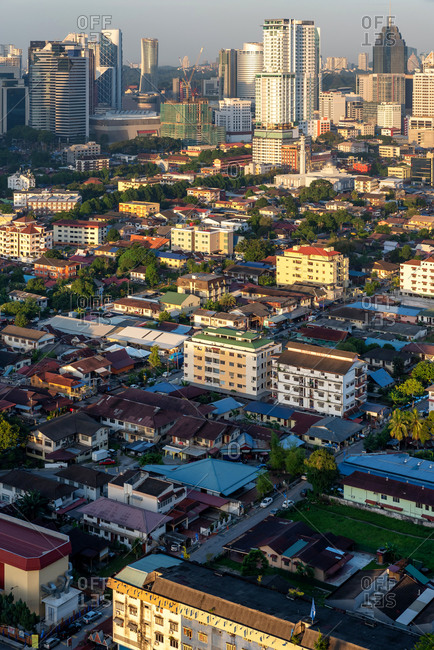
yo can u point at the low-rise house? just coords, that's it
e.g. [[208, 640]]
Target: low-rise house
[[120, 360], [386, 358], [194, 437], [72, 387], [137, 307], [333, 432], [207, 286], [290, 544], [13, 361], [71, 437], [54, 269], [210, 318], [25, 338], [385, 269], [138, 488], [18, 482], [88, 483], [22, 296], [171, 260], [123, 523], [179, 302], [90, 370]]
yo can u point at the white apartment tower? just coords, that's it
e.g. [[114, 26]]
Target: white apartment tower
[[389, 115], [423, 93], [235, 115], [287, 89]]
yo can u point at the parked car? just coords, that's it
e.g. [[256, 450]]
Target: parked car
[[51, 642], [266, 502], [288, 503], [69, 631], [107, 461], [274, 511], [174, 547], [91, 616]]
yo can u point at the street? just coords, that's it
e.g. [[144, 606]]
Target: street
[[214, 545]]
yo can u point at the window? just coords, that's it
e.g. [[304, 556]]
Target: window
[[159, 638], [187, 631], [173, 627], [186, 646], [173, 643], [384, 497], [419, 505], [230, 646], [395, 499], [202, 637], [159, 620]]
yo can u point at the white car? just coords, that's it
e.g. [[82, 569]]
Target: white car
[[288, 503], [266, 502]]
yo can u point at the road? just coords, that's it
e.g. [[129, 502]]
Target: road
[[214, 545]]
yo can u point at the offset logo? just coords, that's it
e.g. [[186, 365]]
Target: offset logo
[[372, 30]]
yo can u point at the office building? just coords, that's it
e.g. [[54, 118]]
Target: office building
[[389, 116], [191, 122], [230, 360], [207, 286], [363, 61], [324, 267], [59, 88], [79, 232], [422, 169], [210, 87], [390, 51], [250, 62], [149, 65], [108, 69], [24, 239], [139, 208], [11, 56], [227, 73], [235, 116], [316, 378], [417, 277], [14, 100], [43, 202]]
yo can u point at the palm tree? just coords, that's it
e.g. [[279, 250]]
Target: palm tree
[[414, 423], [32, 505], [398, 425]]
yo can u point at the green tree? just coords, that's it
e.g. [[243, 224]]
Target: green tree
[[255, 250], [277, 453], [254, 563], [21, 319], [426, 642], [263, 484], [32, 505], [151, 276], [164, 316], [294, 461], [321, 471], [266, 280], [227, 301], [113, 235], [36, 285], [53, 253], [322, 642], [154, 358], [398, 425], [9, 434], [424, 372], [412, 388], [398, 367]]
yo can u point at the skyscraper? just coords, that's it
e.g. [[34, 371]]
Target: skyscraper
[[149, 65], [11, 56], [288, 88], [363, 61], [59, 88], [108, 69], [390, 51], [250, 62], [423, 89], [228, 73]]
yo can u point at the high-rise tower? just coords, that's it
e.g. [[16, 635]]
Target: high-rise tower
[[250, 62], [228, 73], [390, 51], [149, 65], [108, 69]]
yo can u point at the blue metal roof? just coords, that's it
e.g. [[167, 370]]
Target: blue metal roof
[[391, 309], [357, 274], [398, 345], [381, 377], [225, 405], [291, 441], [271, 410], [295, 548], [171, 256], [399, 467], [162, 387], [255, 265], [210, 474]]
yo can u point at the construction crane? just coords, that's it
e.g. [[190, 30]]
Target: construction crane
[[188, 80]]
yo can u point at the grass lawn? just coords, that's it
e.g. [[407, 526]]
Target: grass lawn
[[118, 563], [369, 530]]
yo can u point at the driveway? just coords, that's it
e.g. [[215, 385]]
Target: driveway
[[214, 545]]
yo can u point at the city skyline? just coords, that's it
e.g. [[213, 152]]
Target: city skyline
[[186, 27]]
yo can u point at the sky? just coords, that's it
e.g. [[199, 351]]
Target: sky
[[184, 26]]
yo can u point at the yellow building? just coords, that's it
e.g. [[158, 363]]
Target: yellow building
[[160, 602], [202, 240], [398, 171], [139, 208], [31, 558], [389, 151], [230, 360], [320, 266]]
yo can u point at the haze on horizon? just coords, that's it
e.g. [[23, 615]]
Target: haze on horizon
[[184, 26]]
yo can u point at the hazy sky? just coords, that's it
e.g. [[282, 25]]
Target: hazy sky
[[183, 26]]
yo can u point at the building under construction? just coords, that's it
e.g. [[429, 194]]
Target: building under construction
[[191, 122]]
